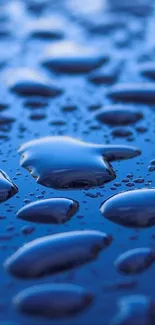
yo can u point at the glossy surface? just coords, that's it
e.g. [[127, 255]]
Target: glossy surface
[[53, 301], [131, 209], [49, 161], [58, 210], [7, 188], [136, 310], [119, 36], [117, 115], [55, 253], [135, 261]]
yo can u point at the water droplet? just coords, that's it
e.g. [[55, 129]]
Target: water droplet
[[120, 132], [70, 58], [63, 162], [147, 69], [56, 253], [135, 310], [135, 208], [135, 261], [27, 82], [143, 92], [7, 188], [118, 115], [56, 210], [53, 300], [46, 29], [105, 75]]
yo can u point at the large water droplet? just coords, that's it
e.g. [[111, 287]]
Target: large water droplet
[[27, 82], [56, 253], [134, 208], [135, 260], [57, 210], [118, 115], [138, 92], [53, 300], [70, 58], [63, 162]]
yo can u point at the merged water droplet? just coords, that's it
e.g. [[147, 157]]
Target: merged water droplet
[[63, 162], [70, 58], [134, 208], [135, 260], [118, 115], [138, 92], [135, 310], [57, 211], [53, 300], [27, 82], [55, 253], [7, 187]]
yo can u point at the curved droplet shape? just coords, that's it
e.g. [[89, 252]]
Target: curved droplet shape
[[135, 7], [70, 58], [27, 82], [134, 208], [63, 162], [135, 310], [147, 69], [135, 260], [106, 74], [55, 253], [118, 115], [50, 211], [122, 132], [53, 300], [7, 187], [46, 29], [138, 92], [6, 122]]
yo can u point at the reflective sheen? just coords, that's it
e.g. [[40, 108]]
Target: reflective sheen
[[53, 300], [56, 211], [63, 162], [131, 209], [55, 253]]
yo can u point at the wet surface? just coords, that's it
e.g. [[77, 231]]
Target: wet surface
[[51, 163], [50, 211], [64, 67], [133, 208], [53, 301], [55, 253]]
